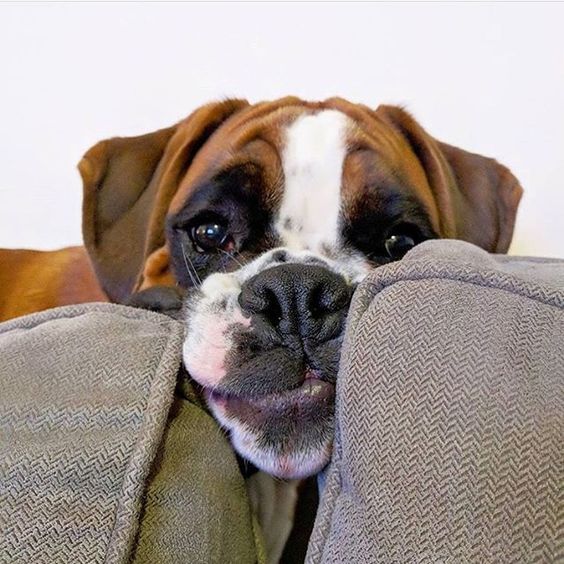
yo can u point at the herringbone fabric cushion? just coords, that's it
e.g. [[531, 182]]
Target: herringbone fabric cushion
[[94, 466], [84, 397], [196, 507], [450, 414]]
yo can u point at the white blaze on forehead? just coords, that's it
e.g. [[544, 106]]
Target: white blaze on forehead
[[312, 160]]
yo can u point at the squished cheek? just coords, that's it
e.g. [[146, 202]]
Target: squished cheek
[[206, 348], [204, 354]]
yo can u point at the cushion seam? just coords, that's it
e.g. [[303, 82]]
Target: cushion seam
[[122, 513]]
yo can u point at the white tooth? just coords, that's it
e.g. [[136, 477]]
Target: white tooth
[[312, 388]]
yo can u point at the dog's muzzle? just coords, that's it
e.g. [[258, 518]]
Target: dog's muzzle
[[271, 379]]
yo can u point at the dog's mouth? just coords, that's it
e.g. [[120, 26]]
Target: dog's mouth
[[277, 403], [297, 402], [286, 433]]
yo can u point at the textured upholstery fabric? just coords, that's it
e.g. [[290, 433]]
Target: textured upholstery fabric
[[196, 507], [86, 452], [450, 414], [449, 431]]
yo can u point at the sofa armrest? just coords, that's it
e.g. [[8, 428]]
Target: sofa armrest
[[100, 461], [450, 414]]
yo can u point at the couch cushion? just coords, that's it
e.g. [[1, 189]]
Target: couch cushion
[[450, 414], [196, 507], [86, 452]]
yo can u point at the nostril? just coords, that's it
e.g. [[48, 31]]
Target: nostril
[[316, 305], [272, 311], [261, 301], [327, 299]]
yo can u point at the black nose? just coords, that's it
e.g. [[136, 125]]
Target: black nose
[[303, 299]]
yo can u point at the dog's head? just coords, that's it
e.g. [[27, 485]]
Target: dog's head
[[271, 214]]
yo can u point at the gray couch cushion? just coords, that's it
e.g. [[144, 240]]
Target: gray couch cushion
[[86, 452], [196, 507], [450, 414], [85, 396]]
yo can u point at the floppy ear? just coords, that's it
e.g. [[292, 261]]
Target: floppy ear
[[477, 196], [128, 185]]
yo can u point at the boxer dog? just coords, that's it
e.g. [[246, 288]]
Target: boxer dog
[[269, 215]]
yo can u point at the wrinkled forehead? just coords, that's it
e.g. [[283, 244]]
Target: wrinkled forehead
[[315, 164]]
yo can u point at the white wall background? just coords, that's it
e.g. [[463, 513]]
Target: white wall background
[[486, 77]]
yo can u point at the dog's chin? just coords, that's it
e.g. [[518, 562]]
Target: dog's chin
[[287, 434]]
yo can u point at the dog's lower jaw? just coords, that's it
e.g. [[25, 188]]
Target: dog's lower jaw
[[299, 457], [297, 465]]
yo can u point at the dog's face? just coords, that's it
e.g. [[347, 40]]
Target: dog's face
[[280, 228], [271, 215]]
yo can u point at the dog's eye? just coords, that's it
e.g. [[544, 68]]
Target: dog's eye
[[400, 240], [209, 236], [398, 245]]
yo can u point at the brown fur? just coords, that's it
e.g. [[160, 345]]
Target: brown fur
[[32, 281]]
